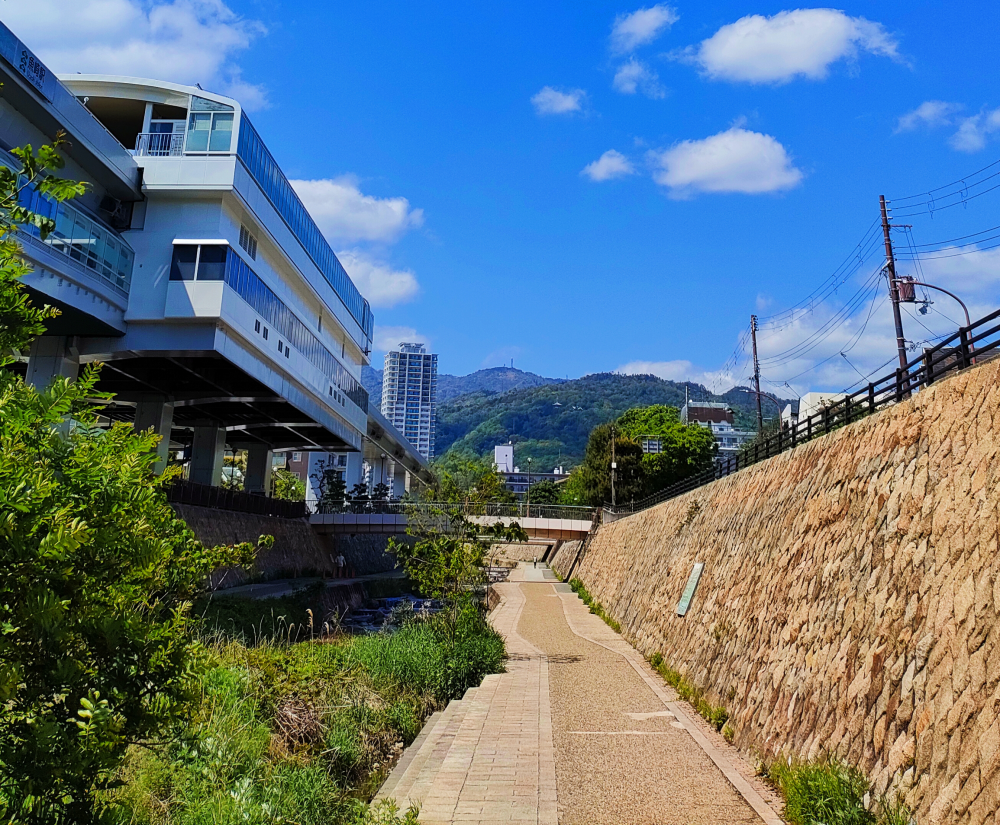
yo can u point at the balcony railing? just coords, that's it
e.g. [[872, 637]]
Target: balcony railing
[[98, 251], [159, 144]]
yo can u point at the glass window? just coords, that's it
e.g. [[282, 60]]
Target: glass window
[[222, 133], [198, 130], [201, 104], [212, 264], [183, 265]]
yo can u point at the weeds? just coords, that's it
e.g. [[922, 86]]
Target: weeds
[[303, 733], [716, 716], [595, 606], [831, 792]]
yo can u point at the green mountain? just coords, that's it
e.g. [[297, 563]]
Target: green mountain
[[551, 423], [493, 380]]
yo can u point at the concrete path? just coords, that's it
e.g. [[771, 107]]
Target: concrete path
[[579, 731]]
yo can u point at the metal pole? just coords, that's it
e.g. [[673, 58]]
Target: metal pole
[[613, 467], [528, 492], [756, 373], [890, 264]]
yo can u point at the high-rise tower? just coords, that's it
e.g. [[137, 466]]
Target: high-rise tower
[[409, 395]]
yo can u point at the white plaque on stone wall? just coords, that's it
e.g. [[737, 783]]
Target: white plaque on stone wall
[[692, 585]]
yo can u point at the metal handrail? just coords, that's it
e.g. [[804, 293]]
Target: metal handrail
[[159, 144], [489, 510], [958, 351], [219, 498]]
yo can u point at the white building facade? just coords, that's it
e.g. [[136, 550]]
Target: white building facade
[[409, 395], [195, 274]]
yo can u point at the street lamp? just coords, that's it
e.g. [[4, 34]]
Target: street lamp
[[908, 295], [528, 514]]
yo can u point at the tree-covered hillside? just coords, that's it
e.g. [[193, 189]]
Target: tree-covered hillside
[[492, 380], [551, 423]]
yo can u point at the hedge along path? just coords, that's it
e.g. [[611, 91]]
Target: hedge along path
[[625, 751]]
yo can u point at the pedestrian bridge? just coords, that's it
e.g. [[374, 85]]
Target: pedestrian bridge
[[544, 521]]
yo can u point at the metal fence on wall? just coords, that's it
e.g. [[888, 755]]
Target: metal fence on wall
[[518, 510], [977, 342], [204, 495]]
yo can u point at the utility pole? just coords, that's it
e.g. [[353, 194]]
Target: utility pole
[[756, 372], [614, 465], [890, 265]]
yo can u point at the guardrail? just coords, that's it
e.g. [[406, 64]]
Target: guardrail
[[204, 495], [979, 341], [159, 144], [493, 510]]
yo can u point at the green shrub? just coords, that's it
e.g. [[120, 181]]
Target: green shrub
[[828, 792]]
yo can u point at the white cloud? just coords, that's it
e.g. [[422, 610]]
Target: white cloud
[[185, 41], [736, 160], [551, 101], [382, 285], [974, 276], [630, 31], [344, 213], [928, 114], [800, 43], [677, 371], [388, 338], [974, 132], [634, 76], [610, 165]]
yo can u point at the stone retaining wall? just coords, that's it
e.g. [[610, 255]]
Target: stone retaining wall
[[564, 557], [850, 596], [298, 549]]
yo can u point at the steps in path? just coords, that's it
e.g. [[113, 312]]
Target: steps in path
[[413, 775]]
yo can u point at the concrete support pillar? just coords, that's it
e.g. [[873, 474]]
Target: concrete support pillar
[[156, 412], [260, 460], [355, 471], [207, 452], [52, 356], [397, 480]]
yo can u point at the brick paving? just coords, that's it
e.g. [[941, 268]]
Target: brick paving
[[575, 713], [501, 766]]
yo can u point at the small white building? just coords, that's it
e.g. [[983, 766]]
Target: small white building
[[503, 458], [809, 404]]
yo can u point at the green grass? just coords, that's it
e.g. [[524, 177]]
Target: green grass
[[831, 792], [303, 733], [595, 606], [715, 715]]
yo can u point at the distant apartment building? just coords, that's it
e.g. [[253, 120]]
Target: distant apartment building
[[517, 480], [718, 417], [409, 395]]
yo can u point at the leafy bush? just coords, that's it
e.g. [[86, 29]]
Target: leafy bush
[[96, 572]]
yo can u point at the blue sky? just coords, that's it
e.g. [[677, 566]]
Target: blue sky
[[600, 186]]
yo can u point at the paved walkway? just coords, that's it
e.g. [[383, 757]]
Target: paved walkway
[[578, 731]]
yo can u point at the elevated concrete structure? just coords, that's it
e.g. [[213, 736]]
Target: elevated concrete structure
[[193, 272]]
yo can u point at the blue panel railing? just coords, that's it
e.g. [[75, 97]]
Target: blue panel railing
[[269, 306], [262, 166], [99, 250]]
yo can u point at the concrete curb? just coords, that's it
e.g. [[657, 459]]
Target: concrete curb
[[719, 757]]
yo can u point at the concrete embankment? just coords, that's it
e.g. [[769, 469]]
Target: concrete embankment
[[850, 600]]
